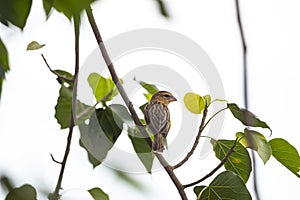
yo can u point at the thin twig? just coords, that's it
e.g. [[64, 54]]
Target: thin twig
[[230, 151], [129, 104], [54, 160], [213, 116], [54, 72], [190, 153], [73, 111], [245, 76]]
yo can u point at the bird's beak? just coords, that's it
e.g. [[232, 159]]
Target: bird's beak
[[172, 99]]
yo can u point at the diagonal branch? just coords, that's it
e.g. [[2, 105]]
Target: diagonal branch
[[230, 151], [129, 104], [190, 153]]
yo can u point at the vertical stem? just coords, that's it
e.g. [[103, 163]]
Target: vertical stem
[[245, 77], [73, 111]]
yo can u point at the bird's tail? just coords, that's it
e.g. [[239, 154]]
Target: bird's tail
[[158, 144]]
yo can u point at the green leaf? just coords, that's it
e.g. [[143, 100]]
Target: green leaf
[[47, 4], [34, 45], [4, 66], [15, 12], [286, 154], [194, 103], [227, 185], [129, 180], [69, 7], [142, 107], [207, 100], [102, 87], [162, 8], [98, 194], [68, 77], [256, 141], [238, 162], [25, 192], [83, 112], [103, 130], [91, 158], [63, 107], [151, 88], [142, 148], [246, 117]]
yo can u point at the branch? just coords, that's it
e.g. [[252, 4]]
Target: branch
[[230, 151], [245, 76], [201, 128], [55, 195], [114, 75], [172, 175], [54, 72], [129, 104]]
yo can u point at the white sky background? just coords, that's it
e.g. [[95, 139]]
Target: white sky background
[[29, 131]]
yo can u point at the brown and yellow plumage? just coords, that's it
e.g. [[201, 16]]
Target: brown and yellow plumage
[[157, 116]]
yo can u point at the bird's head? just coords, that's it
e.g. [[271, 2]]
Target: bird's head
[[163, 97]]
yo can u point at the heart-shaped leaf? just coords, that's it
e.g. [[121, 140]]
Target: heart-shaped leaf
[[25, 192], [227, 185], [103, 89], [194, 102], [239, 161]]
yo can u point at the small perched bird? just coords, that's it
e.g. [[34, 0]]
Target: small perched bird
[[157, 116]]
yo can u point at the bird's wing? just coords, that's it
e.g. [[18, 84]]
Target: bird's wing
[[158, 118]]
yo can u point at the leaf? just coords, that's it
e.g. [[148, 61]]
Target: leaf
[[162, 8], [256, 141], [103, 130], [142, 148], [194, 103], [122, 112], [25, 192], [151, 88], [98, 194], [286, 154], [142, 107], [227, 185], [83, 112], [34, 45], [69, 7], [91, 158], [101, 87], [66, 75], [239, 161], [47, 4], [63, 107], [246, 117], [129, 180], [207, 100], [4, 66], [15, 12]]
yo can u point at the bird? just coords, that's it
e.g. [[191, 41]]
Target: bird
[[157, 117]]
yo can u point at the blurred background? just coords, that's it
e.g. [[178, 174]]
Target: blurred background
[[29, 132]]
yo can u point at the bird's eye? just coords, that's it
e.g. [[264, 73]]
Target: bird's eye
[[166, 95]]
